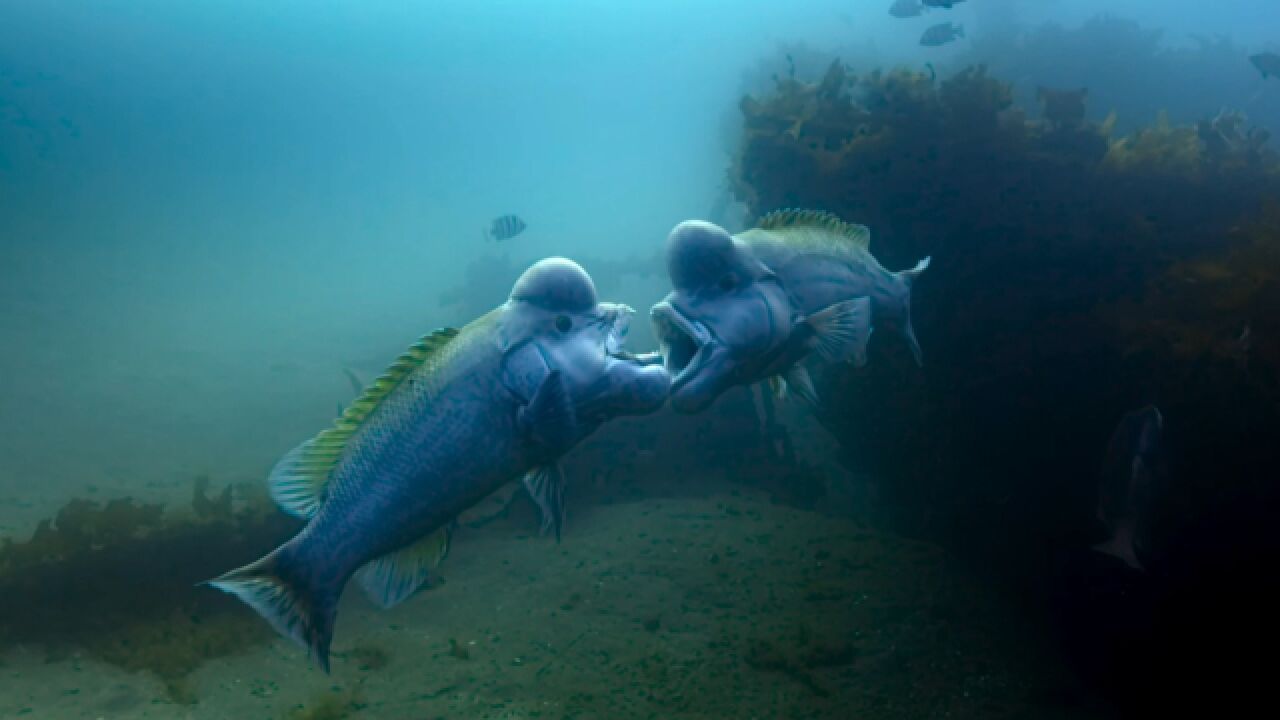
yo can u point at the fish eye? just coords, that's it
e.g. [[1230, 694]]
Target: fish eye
[[563, 323], [728, 282]]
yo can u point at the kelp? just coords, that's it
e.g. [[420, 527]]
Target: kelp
[[1077, 274], [118, 580], [1064, 258]]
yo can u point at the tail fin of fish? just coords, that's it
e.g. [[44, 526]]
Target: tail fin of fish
[[293, 605], [1122, 546], [390, 579], [908, 278], [959, 31]]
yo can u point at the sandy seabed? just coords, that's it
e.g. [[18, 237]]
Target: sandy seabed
[[726, 606]]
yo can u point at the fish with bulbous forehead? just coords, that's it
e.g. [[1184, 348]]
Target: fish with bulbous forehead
[[457, 416], [750, 307]]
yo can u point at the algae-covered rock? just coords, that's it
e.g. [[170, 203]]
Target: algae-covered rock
[[118, 579], [1076, 274]]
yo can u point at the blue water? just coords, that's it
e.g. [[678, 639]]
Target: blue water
[[209, 209]]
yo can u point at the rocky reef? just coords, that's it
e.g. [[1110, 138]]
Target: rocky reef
[[1077, 274], [1058, 248]]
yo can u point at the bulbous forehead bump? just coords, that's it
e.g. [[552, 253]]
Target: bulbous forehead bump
[[697, 251], [558, 284]]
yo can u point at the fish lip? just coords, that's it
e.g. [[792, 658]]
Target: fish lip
[[618, 321], [617, 317], [684, 342]]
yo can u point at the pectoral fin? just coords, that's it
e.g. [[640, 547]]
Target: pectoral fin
[[797, 378], [779, 386], [491, 508], [549, 421], [842, 330], [546, 486], [392, 578]]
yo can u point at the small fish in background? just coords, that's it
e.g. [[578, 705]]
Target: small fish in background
[[1268, 63], [906, 8], [357, 385], [948, 4], [505, 228], [941, 34], [1132, 469]]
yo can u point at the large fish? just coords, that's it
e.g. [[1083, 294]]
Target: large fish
[[1132, 472], [457, 416], [750, 307]]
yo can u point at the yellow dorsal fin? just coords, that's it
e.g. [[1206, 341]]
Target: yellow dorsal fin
[[300, 480], [795, 219]]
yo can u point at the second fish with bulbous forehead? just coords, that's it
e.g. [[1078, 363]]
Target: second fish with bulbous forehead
[[751, 307], [460, 414]]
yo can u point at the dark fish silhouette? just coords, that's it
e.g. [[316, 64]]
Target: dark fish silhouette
[[1268, 63], [1132, 473], [940, 3], [505, 228], [906, 8], [941, 34]]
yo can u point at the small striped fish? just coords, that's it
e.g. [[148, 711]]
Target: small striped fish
[[505, 228]]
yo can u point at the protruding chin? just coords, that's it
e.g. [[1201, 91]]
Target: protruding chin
[[638, 389], [703, 383]]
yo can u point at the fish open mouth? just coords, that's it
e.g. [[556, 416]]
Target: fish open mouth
[[681, 340]]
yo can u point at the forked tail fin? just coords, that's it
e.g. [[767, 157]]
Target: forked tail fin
[[285, 599], [908, 331]]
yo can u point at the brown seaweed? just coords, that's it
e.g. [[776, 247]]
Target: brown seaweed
[[119, 580], [1076, 274]]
